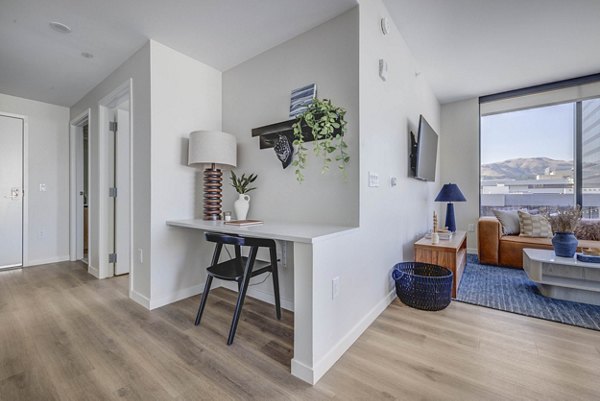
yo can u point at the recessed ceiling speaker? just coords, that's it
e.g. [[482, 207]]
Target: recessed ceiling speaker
[[60, 27]]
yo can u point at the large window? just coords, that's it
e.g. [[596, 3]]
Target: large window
[[590, 155], [541, 157]]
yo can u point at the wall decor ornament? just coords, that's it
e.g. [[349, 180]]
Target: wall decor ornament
[[301, 98], [284, 150]]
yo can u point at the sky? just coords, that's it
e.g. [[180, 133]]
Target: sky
[[541, 132]]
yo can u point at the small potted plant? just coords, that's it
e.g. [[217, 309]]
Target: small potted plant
[[563, 223], [242, 187], [327, 126]]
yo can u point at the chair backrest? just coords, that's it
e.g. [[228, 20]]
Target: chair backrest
[[238, 240]]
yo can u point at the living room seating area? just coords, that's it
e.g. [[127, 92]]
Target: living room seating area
[[497, 248]]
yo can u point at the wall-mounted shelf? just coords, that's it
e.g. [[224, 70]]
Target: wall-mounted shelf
[[269, 133]]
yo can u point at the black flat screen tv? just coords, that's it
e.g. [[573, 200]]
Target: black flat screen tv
[[424, 152]]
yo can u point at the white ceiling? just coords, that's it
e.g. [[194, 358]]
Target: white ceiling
[[41, 64], [468, 48]]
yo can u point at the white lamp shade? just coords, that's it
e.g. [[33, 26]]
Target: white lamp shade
[[207, 147]]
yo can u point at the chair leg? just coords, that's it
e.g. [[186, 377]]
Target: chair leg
[[241, 296], [203, 300], [275, 283], [238, 310]]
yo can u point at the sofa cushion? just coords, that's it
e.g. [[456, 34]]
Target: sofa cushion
[[509, 219], [588, 229], [527, 240], [536, 226]]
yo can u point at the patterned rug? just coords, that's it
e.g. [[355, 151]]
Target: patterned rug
[[510, 290]]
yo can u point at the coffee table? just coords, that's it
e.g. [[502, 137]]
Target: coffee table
[[563, 278]]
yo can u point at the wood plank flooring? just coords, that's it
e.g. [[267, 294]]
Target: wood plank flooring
[[66, 336]]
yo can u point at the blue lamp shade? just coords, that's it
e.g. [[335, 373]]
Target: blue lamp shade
[[450, 193]]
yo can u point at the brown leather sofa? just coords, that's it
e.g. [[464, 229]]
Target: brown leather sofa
[[507, 250]]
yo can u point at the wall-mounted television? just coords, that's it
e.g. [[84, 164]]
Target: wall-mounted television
[[423, 156]]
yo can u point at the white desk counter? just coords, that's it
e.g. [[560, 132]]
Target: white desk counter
[[293, 232], [313, 247]]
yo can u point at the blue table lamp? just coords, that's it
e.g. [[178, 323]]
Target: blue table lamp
[[450, 193]]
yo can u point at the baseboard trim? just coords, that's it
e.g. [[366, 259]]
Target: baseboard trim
[[178, 295], [324, 364], [55, 259], [303, 372], [94, 271], [472, 251], [286, 304], [139, 298]]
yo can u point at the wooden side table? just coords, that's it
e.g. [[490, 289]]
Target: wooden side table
[[451, 254]]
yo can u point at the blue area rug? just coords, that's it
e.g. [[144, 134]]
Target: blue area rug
[[510, 290]]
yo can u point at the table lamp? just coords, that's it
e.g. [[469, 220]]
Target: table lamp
[[450, 193], [212, 148]]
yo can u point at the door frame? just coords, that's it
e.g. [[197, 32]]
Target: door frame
[[75, 126], [25, 191], [115, 97]]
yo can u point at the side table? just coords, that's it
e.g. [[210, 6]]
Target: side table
[[451, 254]]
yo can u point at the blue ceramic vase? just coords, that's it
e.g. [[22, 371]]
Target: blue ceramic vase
[[565, 244]]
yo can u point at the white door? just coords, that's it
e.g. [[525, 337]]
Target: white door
[[11, 192], [80, 196], [118, 177], [122, 201]]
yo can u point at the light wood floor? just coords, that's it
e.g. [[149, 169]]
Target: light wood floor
[[67, 336]]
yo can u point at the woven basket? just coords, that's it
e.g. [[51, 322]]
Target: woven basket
[[422, 285]]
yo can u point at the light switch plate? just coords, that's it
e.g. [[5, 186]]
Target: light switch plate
[[373, 179], [42, 187]]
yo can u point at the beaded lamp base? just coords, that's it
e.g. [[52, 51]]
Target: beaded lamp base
[[213, 193]]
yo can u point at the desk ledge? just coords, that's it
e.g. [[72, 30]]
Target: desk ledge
[[285, 231]]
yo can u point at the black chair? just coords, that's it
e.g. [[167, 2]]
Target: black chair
[[240, 269]]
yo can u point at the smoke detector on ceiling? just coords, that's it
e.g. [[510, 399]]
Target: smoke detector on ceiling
[[60, 27]]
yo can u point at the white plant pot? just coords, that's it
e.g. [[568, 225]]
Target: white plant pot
[[241, 206]]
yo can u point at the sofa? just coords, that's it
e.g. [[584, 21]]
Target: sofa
[[494, 248]]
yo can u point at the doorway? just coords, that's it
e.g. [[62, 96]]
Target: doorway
[[115, 208], [12, 207], [118, 181], [80, 189]]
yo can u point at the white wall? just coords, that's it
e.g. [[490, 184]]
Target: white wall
[[48, 212], [257, 93], [137, 68], [391, 218], [186, 96], [459, 148]]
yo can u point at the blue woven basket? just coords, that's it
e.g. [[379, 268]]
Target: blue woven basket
[[423, 285]]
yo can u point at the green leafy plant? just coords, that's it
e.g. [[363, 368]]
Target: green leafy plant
[[327, 126], [241, 184]]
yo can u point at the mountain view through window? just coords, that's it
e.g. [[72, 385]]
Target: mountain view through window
[[528, 158]]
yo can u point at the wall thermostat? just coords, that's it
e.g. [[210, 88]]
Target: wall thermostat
[[385, 26]]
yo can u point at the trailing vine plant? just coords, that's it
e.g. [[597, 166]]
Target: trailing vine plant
[[327, 126]]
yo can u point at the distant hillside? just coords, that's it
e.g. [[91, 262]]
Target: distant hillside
[[522, 169]]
